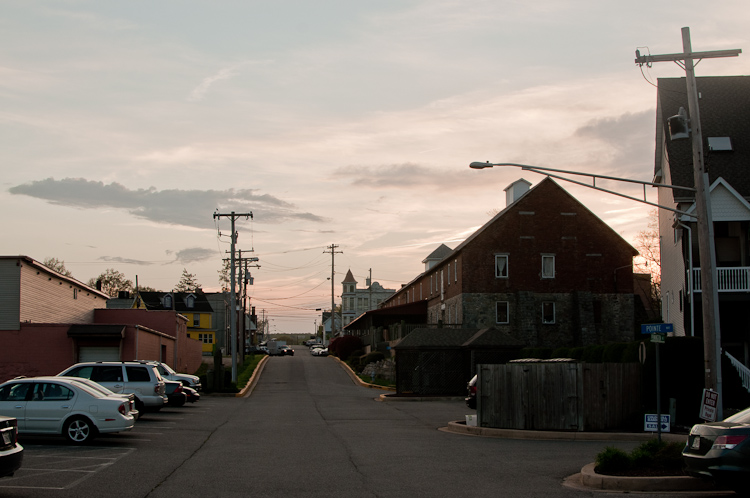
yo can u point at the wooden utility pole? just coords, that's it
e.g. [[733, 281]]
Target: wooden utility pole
[[233, 295], [333, 251], [709, 289]]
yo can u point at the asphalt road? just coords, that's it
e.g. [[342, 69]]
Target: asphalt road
[[306, 431]]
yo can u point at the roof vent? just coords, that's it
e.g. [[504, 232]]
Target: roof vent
[[719, 143]]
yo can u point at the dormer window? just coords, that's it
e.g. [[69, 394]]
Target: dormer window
[[167, 301], [190, 301]]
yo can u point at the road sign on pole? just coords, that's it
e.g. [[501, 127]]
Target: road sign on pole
[[657, 328]]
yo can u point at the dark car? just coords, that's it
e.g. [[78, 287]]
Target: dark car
[[287, 350], [471, 393], [192, 394], [11, 453], [175, 393], [721, 451]]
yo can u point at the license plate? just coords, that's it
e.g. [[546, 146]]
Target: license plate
[[696, 444], [6, 437]]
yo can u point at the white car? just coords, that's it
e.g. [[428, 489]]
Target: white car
[[186, 379], [56, 405], [320, 352]]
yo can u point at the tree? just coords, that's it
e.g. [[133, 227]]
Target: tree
[[225, 278], [188, 282], [57, 265], [649, 260], [112, 282]]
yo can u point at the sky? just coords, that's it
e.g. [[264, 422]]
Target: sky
[[126, 125]]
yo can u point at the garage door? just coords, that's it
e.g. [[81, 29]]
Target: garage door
[[98, 353]]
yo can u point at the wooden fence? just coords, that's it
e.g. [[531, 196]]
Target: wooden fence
[[559, 396]]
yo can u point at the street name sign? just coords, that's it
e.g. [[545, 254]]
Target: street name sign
[[657, 328]]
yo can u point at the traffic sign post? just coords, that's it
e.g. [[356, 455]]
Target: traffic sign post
[[658, 333]]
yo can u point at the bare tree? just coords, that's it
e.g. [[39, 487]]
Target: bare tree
[[649, 260], [57, 265]]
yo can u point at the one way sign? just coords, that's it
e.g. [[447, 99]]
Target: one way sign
[[650, 422]]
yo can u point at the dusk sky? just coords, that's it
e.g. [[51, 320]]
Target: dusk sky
[[126, 125]]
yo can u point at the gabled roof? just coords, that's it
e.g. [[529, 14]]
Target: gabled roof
[[153, 301], [438, 254], [726, 204], [724, 109], [547, 181]]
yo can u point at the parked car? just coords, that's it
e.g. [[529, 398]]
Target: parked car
[[55, 405], [137, 377], [11, 453], [129, 397], [471, 393], [287, 351], [192, 394], [721, 451], [175, 394], [320, 352], [167, 373]]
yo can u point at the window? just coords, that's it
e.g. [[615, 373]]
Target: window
[[455, 270], [137, 374], [502, 314], [548, 312], [196, 319], [190, 301], [501, 265], [548, 266], [206, 338], [168, 302]]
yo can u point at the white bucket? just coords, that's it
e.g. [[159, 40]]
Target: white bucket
[[471, 420]]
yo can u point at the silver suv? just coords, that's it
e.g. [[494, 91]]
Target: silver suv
[[186, 379], [124, 377]]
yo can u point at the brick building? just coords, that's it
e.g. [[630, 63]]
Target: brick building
[[546, 270], [49, 321]]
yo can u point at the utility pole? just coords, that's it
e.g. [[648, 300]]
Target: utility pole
[[706, 244], [333, 251], [239, 261], [233, 296]]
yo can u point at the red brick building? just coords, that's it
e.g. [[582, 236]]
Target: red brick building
[[546, 270], [49, 321]]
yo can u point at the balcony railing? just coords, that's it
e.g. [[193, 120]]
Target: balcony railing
[[736, 279]]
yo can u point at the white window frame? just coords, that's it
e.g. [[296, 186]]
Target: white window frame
[[554, 313], [507, 312], [546, 273], [505, 257]]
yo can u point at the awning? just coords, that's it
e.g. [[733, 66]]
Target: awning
[[95, 330]]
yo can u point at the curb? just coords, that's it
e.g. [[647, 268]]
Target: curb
[[591, 480], [460, 427], [248, 389], [393, 397], [356, 378]]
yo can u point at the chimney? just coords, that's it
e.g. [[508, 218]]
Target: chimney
[[515, 190]]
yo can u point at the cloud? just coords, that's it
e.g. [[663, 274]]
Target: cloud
[[193, 254], [125, 261], [192, 208], [200, 91]]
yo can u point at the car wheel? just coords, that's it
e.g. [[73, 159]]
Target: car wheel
[[79, 430], [139, 405]]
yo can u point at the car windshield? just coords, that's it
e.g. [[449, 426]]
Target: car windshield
[[742, 417], [167, 369], [90, 384]]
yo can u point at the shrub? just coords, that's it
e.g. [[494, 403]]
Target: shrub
[[612, 460], [593, 354], [613, 353], [344, 346], [561, 353]]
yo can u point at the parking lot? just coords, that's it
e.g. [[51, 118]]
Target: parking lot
[[51, 463]]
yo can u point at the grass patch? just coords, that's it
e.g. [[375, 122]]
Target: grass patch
[[247, 369]]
